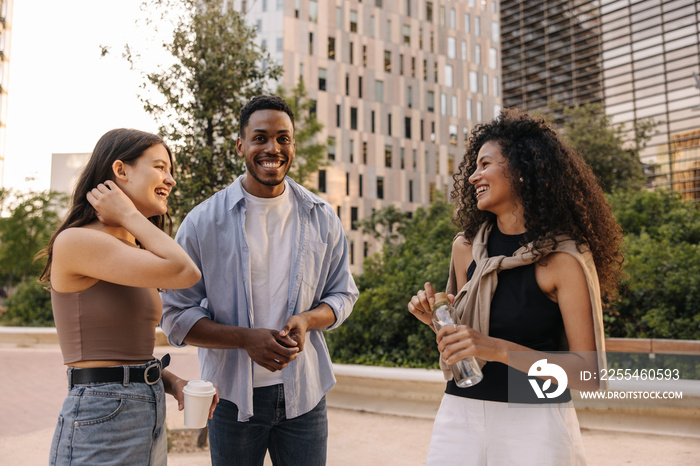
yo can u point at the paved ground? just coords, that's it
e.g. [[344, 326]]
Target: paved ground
[[33, 385]]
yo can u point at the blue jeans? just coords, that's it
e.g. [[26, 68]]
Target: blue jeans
[[111, 424], [300, 441]]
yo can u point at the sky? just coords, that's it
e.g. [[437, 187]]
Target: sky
[[62, 96]]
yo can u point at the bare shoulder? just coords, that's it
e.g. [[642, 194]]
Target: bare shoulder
[[556, 271], [461, 246], [81, 239]]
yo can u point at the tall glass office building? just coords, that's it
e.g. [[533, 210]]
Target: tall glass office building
[[398, 85], [639, 58]]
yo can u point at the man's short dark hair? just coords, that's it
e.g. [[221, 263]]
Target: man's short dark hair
[[263, 102]]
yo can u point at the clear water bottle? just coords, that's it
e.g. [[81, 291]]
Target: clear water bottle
[[465, 372]]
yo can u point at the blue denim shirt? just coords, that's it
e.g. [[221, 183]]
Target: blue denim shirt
[[213, 235]]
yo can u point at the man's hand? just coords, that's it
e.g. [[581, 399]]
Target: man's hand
[[295, 329], [270, 349]]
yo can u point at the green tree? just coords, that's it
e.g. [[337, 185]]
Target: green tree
[[660, 291], [384, 224], [380, 330], [29, 306], [601, 143], [310, 155], [32, 219], [216, 69]]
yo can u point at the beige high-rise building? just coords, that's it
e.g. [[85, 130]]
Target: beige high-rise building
[[398, 86], [5, 34]]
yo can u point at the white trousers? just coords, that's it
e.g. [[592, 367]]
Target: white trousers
[[474, 432]]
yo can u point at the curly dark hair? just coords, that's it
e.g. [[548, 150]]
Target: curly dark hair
[[558, 190]]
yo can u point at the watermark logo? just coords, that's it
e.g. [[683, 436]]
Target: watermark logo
[[542, 368]]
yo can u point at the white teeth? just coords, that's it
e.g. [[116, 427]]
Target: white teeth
[[481, 189], [271, 164]]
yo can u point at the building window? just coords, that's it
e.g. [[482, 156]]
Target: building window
[[388, 125], [406, 29], [425, 70], [453, 134], [351, 50], [337, 115], [451, 47], [338, 17], [365, 251], [449, 78], [410, 190], [467, 23], [473, 81], [401, 64], [331, 48], [371, 26], [387, 156], [352, 251], [322, 181], [379, 91], [431, 101], [364, 56], [479, 112], [353, 20], [403, 158], [353, 117], [407, 128], [453, 19], [378, 3], [380, 187], [409, 97], [347, 183], [360, 185], [422, 131], [496, 91], [364, 152], [454, 105], [347, 84], [352, 151], [337, 209], [428, 11], [477, 54], [493, 58], [469, 109], [477, 26], [484, 84], [353, 218], [331, 148], [313, 11], [359, 86], [443, 104], [413, 67], [495, 31], [372, 121], [387, 60], [321, 79], [311, 43], [280, 45], [388, 30], [415, 159]]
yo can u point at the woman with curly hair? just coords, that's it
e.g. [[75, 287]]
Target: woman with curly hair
[[539, 247]]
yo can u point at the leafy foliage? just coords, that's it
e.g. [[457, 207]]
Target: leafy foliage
[[380, 330], [25, 231], [661, 290], [216, 69], [310, 155], [601, 144], [29, 306]]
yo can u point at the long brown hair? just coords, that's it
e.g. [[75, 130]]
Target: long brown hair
[[122, 144]]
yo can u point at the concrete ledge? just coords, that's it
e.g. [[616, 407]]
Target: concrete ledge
[[24, 336]]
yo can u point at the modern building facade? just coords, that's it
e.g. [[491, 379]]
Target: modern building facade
[[5, 36], [397, 84], [640, 58]]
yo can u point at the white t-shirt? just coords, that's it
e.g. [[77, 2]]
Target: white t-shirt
[[269, 229]]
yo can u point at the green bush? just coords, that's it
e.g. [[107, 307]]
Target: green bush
[[380, 331], [660, 291], [29, 306]]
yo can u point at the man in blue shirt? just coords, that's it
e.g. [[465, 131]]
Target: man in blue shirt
[[275, 273]]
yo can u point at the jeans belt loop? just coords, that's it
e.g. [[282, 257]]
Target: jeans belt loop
[[70, 378], [126, 375]]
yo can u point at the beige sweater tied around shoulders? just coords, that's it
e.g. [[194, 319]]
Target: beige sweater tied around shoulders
[[473, 301]]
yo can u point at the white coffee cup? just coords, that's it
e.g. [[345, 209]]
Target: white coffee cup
[[198, 398]]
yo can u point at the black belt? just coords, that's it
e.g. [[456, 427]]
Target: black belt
[[148, 373]]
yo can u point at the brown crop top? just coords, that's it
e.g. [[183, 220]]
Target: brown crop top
[[107, 322]]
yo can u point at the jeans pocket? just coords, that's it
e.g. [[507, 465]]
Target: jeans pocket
[[56, 440], [97, 410]]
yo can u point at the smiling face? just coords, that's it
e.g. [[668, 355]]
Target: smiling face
[[148, 180], [267, 144], [492, 182]]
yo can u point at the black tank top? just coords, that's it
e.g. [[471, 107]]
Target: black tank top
[[520, 313]]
